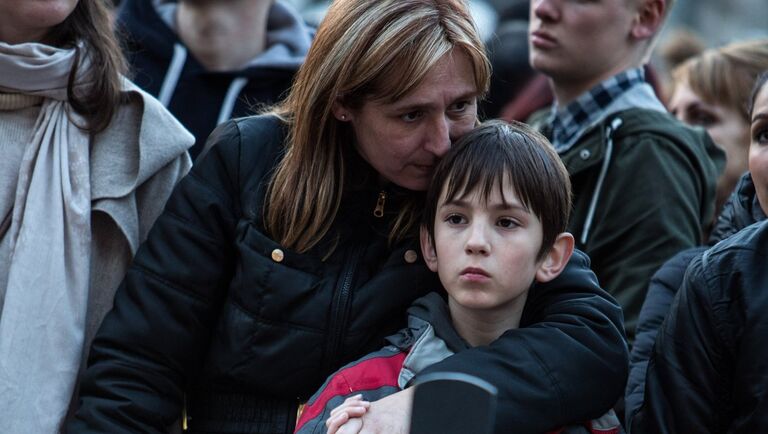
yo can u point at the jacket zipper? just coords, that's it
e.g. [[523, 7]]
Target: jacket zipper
[[379, 210], [340, 312]]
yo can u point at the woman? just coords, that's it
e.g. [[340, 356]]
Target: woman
[[712, 90], [708, 372], [290, 250], [88, 163]]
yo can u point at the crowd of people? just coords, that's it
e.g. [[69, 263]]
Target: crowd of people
[[216, 218]]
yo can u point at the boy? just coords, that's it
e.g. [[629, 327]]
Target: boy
[[643, 183], [494, 223]]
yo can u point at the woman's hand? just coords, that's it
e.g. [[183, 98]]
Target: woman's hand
[[345, 419]]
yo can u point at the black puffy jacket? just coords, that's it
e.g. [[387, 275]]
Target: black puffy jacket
[[708, 372], [215, 311], [741, 210]]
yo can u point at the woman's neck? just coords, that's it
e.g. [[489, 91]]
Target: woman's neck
[[223, 36]]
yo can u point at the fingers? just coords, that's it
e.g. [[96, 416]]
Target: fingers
[[352, 408], [335, 422], [354, 426]]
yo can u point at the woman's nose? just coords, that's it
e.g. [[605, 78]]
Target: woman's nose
[[544, 10], [438, 140]]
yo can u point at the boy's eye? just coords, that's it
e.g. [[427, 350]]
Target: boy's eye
[[507, 223], [455, 219]]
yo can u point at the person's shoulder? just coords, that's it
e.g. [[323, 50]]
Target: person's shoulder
[[646, 123], [752, 239], [645, 127]]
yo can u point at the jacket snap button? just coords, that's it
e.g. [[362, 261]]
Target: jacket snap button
[[278, 255], [410, 256], [585, 154]]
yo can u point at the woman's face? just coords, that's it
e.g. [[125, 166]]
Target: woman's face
[[404, 140], [31, 20], [758, 149], [725, 125]]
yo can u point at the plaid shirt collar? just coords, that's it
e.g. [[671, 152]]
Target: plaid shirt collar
[[569, 122]]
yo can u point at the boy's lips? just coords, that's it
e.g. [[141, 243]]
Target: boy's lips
[[474, 273]]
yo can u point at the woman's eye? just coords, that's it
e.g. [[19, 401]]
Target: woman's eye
[[507, 223], [703, 118], [460, 107], [761, 137], [455, 219], [411, 116]]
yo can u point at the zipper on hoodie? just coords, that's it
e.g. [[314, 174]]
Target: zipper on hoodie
[[340, 310]]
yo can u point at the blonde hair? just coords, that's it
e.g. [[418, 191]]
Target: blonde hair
[[364, 50], [724, 76]]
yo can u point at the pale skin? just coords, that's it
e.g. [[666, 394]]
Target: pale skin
[[758, 149], [490, 254], [223, 35], [614, 35]]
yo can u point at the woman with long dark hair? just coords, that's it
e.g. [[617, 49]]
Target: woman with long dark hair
[[88, 163]]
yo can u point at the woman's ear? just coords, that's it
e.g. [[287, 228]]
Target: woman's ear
[[556, 259], [341, 112], [649, 19], [428, 249]]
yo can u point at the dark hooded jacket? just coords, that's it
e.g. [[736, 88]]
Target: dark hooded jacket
[[162, 65], [643, 190], [741, 210], [215, 313], [708, 371]]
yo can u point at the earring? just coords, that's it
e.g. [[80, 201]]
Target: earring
[[343, 117]]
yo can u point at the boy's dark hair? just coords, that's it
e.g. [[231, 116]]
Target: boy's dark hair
[[498, 151]]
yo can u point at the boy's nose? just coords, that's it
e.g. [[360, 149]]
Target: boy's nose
[[477, 243]]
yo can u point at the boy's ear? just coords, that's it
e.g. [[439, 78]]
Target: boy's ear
[[428, 249], [340, 111], [557, 258], [649, 19]]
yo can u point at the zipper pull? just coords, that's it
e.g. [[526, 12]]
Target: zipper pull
[[379, 210]]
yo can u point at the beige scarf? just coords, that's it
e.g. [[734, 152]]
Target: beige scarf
[[43, 316]]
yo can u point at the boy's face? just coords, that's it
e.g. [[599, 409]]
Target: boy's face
[[485, 253], [581, 40]]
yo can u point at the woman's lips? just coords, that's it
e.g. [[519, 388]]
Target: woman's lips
[[541, 39]]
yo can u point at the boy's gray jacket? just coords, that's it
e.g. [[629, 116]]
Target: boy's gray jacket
[[644, 188]]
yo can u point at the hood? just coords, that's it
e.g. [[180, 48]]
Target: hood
[[741, 210], [152, 23]]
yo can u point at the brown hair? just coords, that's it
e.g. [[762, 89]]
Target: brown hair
[[89, 25], [364, 50], [724, 76], [496, 153], [759, 84]]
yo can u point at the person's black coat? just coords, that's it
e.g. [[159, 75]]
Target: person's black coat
[[708, 372]]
